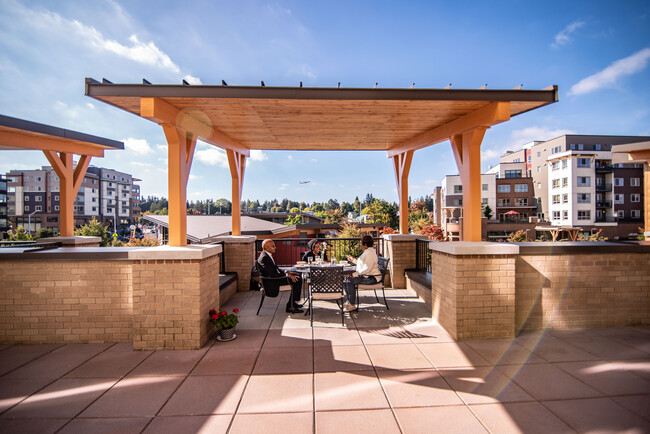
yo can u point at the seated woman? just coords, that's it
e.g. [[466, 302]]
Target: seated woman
[[367, 269], [313, 252]]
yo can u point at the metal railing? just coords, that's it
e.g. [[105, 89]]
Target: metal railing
[[604, 187], [422, 255], [222, 265], [290, 250]]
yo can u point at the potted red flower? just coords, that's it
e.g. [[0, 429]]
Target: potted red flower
[[225, 323]]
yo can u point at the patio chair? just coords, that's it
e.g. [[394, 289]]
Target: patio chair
[[267, 288], [325, 283], [383, 268]]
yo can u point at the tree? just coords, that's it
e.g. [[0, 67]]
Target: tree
[[348, 247], [294, 210], [293, 220], [433, 232], [381, 211], [95, 229], [356, 205], [333, 216], [44, 233], [487, 212], [318, 207], [20, 235], [345, 208]]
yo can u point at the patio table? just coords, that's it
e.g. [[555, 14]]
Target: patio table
[[304, 272]]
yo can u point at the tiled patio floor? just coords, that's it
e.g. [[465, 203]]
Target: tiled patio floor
[[384, 372]]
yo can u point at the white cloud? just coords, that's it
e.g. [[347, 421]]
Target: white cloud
[[290, 157], [529, 134], [564, 36], [258, 155], [195, 177], [90, 105], [140, 164], [163, 148], [137, 146], [192, 80], [610, 75], [313, 160], [283, 186], [212, 157]]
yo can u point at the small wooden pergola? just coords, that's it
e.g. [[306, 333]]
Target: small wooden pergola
[[397, 121], [59, 146]]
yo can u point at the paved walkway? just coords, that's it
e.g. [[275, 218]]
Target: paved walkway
[[385, 372]]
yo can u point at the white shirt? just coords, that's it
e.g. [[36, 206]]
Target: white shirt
[[367, 263]]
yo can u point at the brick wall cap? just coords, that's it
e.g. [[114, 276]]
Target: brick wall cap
[[241, 239], [173, 253], [474, 248], [580, 247], [74, 240], [403, 237]]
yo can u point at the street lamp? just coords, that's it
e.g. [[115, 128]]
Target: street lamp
[[29, 223]]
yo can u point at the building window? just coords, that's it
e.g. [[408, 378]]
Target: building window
[[27, 178], [556, 199], [26, 207], [635, 182], [521, 201], [565, 163], [458, 189], [584, 215], [556, 183], [539, 154], [530, 158], [618, 198], [521, 188], [584, 181], [94, 208], [581, 147], [26, 198], [504, 188], [56, 207], [565, 198], [635, 214], [37, 179], [556, 215], [503, 202], [38, 208], [539, 185], [565, 215], [619, 182], [539, 169], [484, 201], [620, 214], [565, 182], [457, 202], [38, 199], [635, 197], [555, 165], [584, 162], [484, 187], [584, 198], [597, 147], [513, 173]]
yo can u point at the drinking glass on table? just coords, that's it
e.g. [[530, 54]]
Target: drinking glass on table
[[310, 260]]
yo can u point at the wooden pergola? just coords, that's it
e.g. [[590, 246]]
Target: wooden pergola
[[397, 121], [59, 146], [637, 153]]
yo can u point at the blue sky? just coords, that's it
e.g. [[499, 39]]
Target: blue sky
[[597, 52]]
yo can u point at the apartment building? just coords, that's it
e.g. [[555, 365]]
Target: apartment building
[[4, 220], [451, 201], [105, 194], [515, 198]]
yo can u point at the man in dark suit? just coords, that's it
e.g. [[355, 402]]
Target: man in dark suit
[[268, 268]]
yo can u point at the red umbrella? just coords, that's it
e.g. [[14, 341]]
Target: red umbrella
[[513, 212]]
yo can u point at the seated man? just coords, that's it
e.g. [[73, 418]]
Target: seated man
[[268, 268], [313, 252], [367, 269]]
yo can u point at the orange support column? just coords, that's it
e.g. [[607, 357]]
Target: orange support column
[[467, 151], [70, 179], [180, 154], [237, 163], [402, 165]]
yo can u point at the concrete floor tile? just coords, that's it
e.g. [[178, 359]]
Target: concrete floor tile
[[341, 358], [418, 388], [31, 426], [399, 356], [553, 349], [163, 363], [287, 360], [17, 355], [58, 362], [450, 419], [597, 415], [327, 337], [384, 335], [273, 423], [519, 417], [447, 355], [16, 390], [361, 421], [348, 390], [64, 398], [218, 361], [503, 352], [106, 426], [428, 332], [638, 367], [637, 404], [219, 394], [246, 339], [606, 348], [483, 384], [214, 424], [547, 382], [109, 364], [134, 397], [278, 394], [606, 377], [255, 323], [293, 337]]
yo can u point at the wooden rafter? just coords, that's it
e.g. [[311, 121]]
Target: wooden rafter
[[43, 143]]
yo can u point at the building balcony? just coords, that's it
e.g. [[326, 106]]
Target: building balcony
[[607, 219], [604, 168], [604, 187], [604, 204]]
